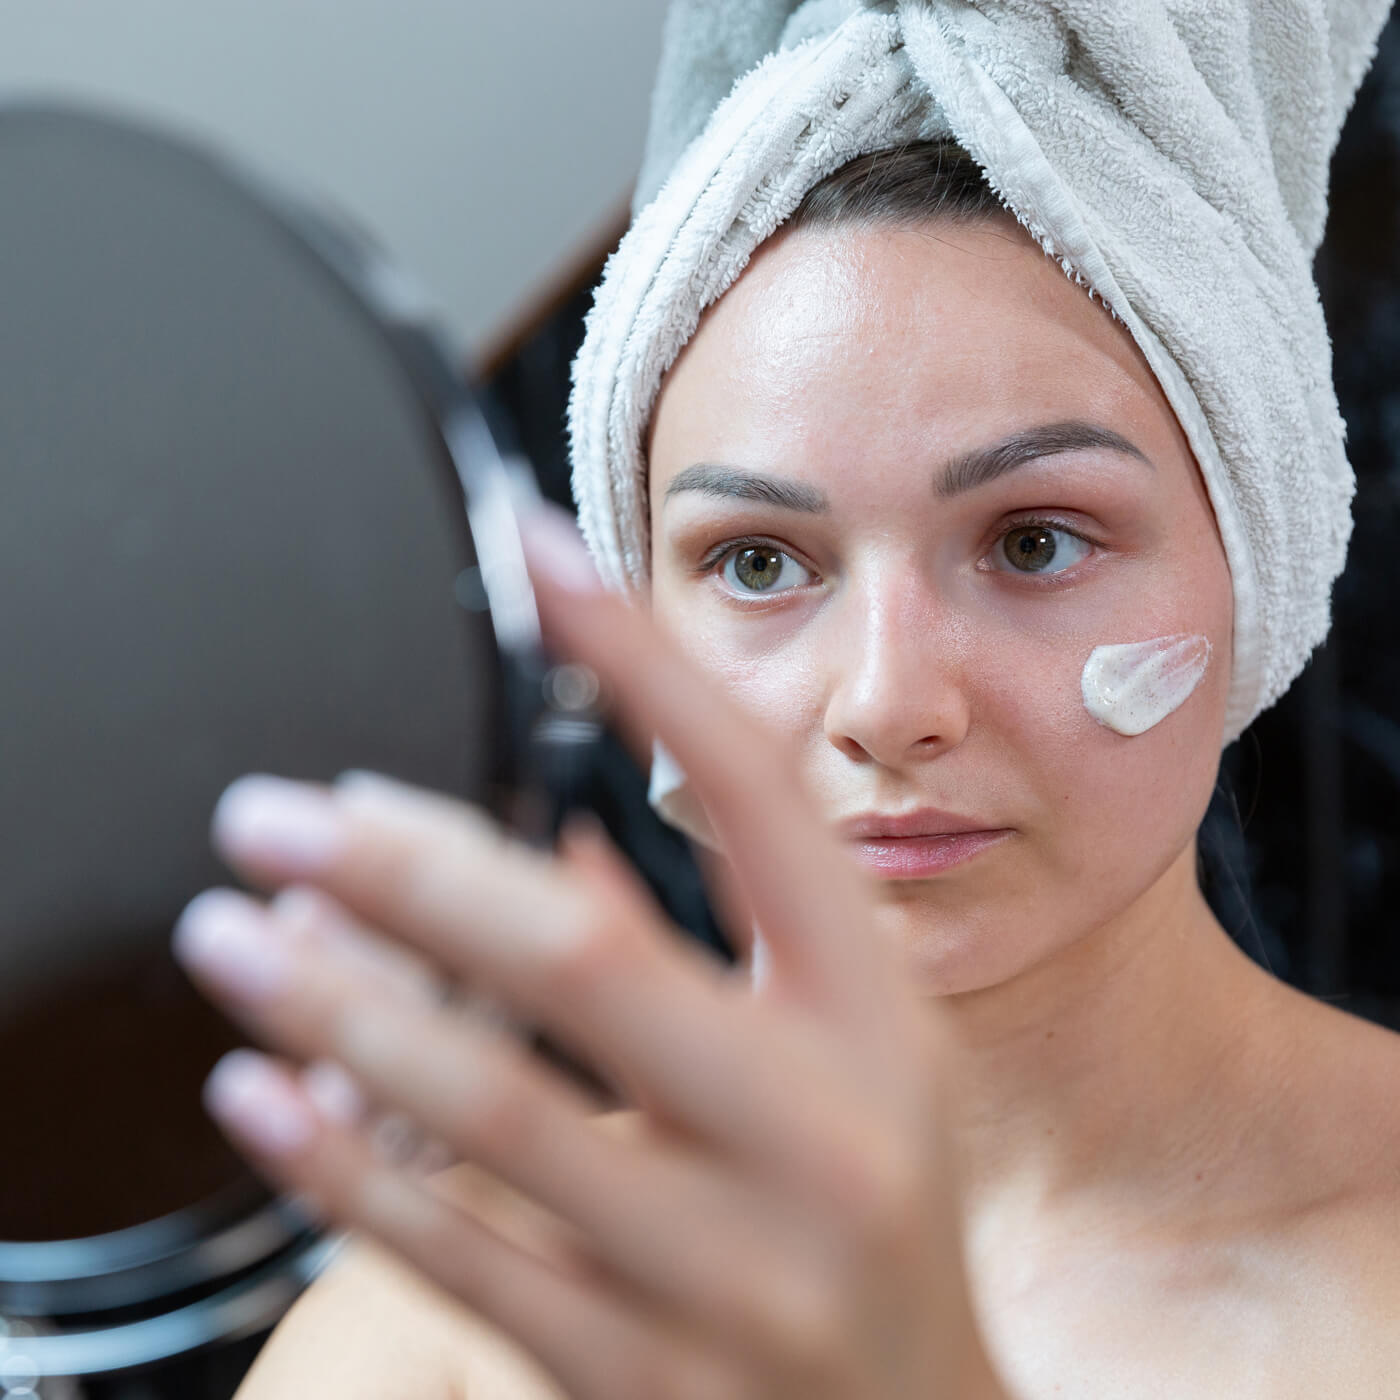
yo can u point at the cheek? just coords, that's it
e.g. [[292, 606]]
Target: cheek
[[778, 683], [1103, 801], [1150, 638], [1031, 738]]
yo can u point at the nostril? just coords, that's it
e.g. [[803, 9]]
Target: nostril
[[850, 748]]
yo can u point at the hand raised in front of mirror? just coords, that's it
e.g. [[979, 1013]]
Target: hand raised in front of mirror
[[784, 1221]]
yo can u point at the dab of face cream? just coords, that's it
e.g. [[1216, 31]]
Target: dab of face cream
[[1135, 685]]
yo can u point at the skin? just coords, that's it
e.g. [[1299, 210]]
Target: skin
[[1068, 1141], [858, 362]]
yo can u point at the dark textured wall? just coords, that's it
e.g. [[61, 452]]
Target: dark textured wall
[[1319, 776]]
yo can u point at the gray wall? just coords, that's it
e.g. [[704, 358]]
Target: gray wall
[[479, 142]]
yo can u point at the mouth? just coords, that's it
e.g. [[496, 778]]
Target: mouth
[[918, 845]]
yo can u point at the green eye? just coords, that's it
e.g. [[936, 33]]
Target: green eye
[[762, 569], [758, 569]]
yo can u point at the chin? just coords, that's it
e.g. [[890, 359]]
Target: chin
[[947, 955], [950, 952]]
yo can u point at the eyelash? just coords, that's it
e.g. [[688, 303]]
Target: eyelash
[[1043, 521], [722, 551]]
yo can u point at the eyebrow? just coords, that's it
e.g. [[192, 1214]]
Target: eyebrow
[[965, 472], [731, 483], [985, 464]]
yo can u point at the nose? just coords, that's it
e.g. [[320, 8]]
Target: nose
[[895, 692]]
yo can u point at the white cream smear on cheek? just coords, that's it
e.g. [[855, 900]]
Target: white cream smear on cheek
[[1135, 685]]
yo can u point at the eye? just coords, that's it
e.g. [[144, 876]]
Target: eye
[[762, 569], [1036, 548]]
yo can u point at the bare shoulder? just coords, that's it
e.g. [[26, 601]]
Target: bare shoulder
[[1350, 1135], [372, 1326], [1349, 1072], [368, 1326]]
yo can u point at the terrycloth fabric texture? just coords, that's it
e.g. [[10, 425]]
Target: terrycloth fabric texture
[[670, 794], [1172, 154]]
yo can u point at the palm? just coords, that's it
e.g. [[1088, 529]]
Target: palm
[[788, 1225]]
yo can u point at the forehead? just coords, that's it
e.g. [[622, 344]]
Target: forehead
[[875, 342]]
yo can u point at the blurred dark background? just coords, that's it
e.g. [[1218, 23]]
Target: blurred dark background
[[1316, 780], [1299, 850]]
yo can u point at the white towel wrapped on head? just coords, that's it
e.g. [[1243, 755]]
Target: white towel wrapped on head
[[1172, 154]]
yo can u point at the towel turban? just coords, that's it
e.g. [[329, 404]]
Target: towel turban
[[1171, 154]]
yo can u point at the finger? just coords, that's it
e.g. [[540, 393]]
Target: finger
[[749, 1059], [660, 1018], [731, 904], [314, 931], [586, 851], [684, 1240], [590, 1341], [338, 1096], [319, 923], [672, 1224], [325, 1003], [805, 890], [326, 930], [653, 1012]]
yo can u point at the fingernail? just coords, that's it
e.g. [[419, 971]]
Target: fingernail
[[265, 819], [380, 788], [386, 801], [334, 1093], [554, 548], [395, 1139], [247, 1095], [222, 937], [303, 909]]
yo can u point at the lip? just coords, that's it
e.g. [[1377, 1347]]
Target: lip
[[919, 844], [923, 821]]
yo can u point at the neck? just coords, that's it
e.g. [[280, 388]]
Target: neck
[[1115, 1074]]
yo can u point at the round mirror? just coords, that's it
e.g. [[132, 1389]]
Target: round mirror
[[234, 539]]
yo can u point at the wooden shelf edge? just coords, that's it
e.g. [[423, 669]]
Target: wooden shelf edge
[[579, 270]]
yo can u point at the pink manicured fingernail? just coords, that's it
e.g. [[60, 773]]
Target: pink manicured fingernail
[[223, 937], [300, 906], [261, 818], [333, 1091], [554, 547], [382, 790], [250, 1097]]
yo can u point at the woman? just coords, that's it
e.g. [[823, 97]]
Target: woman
[[961, 614]]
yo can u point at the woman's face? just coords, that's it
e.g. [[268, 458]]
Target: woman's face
[[832, 538]]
